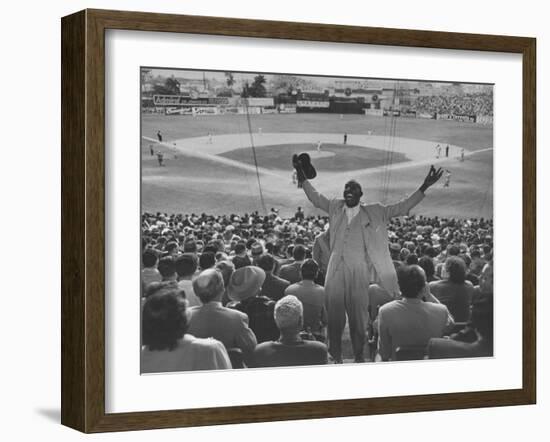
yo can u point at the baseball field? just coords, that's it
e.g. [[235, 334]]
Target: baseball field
[[209, 164]]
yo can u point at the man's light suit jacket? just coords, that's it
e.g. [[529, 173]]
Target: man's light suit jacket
[[374, 219]]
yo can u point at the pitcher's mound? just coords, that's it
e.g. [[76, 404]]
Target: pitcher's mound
[[333, 157]]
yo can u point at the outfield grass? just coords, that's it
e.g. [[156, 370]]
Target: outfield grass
[[197, 185], [470, 135], [347, 157]]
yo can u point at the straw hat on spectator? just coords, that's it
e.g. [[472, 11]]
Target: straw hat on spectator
[[245, 283]]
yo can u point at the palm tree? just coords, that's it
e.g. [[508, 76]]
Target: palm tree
[[258, 89], [229, 79]]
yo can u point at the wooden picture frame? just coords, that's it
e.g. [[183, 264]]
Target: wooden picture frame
[[83, 219]]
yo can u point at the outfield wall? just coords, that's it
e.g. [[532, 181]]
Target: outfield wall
[[302, 106]]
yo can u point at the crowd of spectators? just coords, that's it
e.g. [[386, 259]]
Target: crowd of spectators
[[466, 104], [235, 291]]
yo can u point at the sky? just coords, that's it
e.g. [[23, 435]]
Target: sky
[[321, 81]]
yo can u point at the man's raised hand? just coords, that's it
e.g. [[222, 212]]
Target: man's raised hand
[[432, 178], [297, 164]]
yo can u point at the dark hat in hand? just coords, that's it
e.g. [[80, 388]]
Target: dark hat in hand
[[304, 161]]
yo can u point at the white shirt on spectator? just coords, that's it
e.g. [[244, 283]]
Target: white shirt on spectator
[[190, 354]]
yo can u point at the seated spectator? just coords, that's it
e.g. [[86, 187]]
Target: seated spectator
[[244, 290], [167, 269], [482, 291], [395, 251], [291, 272], [377, 298], [470, 276], [240, 262], [149, 273], [186, 266], [410, 321], [273, 249], [287, 257], [312, 297], [477, 264], [213, 320], [485, 282], [454, 291], [321, 254], [226, 268], [290, 349], [211, 247], [166, 345], [256, 250], [241, 259], [207, 260], [190, 246], [273, 286], [156, 287], [481, 323], [440, 269], [171, 249], [428, 266], [221, 256], [404, 254]]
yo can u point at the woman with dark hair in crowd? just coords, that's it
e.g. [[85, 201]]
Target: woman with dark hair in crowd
[[166, 346], [429, 268], [150, 272], [454, 291]]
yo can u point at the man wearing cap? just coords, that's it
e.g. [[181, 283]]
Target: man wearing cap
[[244, 290], [359, 255], [212, 320]]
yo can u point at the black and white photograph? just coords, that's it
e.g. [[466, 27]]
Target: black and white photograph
[[298, 220]]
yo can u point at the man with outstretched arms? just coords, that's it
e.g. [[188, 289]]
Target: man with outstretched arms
[[359, 256]]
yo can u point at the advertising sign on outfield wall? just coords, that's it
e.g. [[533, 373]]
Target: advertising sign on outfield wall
[[253, 101], [457, 117], [376, 112], [287, 108], [313, 104]]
